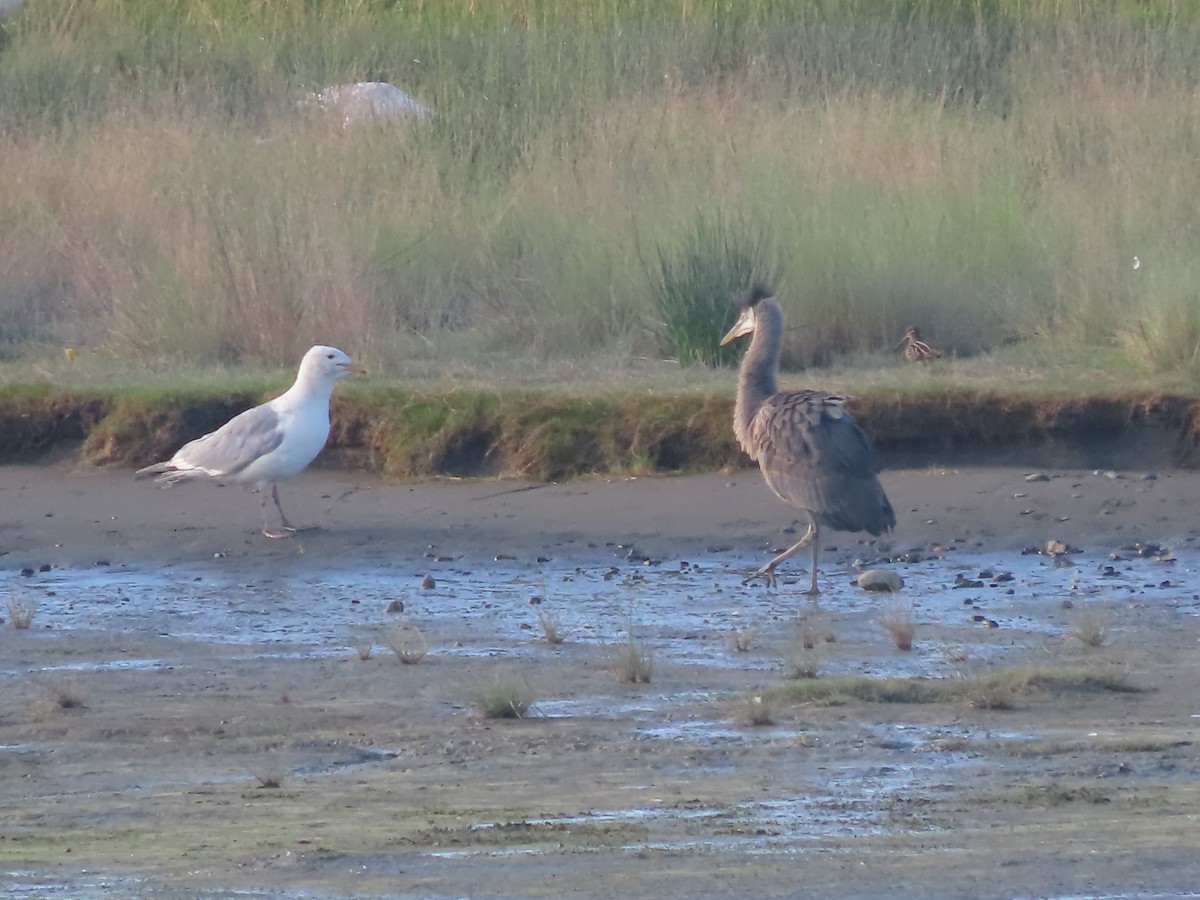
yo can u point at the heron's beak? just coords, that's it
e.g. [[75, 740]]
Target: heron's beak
[[744, 325]]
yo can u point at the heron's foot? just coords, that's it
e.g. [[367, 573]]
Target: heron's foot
[[276, 535], [766, 573], [814, 593]]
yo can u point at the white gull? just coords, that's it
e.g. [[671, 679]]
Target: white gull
[[269, 443]]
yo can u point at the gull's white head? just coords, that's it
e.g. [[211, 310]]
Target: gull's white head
[[330, 364]]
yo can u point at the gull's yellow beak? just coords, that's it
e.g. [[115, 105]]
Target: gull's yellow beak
[[354, 367]]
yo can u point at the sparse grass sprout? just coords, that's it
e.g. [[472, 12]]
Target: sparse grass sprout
[[900, 623], [407, 643], [504, 697], [21, 611]]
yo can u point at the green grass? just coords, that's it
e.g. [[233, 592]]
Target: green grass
[[985, 170], [996, 690], [636, 424]]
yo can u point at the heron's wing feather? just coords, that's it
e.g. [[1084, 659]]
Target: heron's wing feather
[[814, 455], [235, 445]]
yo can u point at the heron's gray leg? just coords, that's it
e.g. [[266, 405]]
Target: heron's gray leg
[[813, 590], [767, 572], [267, 530]]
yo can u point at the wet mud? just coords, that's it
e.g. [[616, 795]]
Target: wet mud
[[206, 726]]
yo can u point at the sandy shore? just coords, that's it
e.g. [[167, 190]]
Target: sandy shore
[[200, 719], [66, 516]]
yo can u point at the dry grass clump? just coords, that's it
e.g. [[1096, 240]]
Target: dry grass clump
[[552, 629], [407, 642], [634, 660], [21, 611], [899, 622], [1090, 629], [504, 697], [741, 640], [364, 643], [814, 632], [804, 662], [758, 710], [956, 654]]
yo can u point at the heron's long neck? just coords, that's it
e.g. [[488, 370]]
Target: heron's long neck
[[756, 379]]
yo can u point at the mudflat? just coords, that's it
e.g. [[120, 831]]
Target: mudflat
[[195, 710]]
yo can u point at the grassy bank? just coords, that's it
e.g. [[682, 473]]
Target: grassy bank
[[988, 171], [407, 432]]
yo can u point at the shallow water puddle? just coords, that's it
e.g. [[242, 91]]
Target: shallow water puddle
[[685, 614]]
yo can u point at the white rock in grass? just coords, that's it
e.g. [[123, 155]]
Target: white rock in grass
[[9, 8], [368, 101], [884, 580]]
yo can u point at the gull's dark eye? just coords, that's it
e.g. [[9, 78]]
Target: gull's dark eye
[[330, 356]]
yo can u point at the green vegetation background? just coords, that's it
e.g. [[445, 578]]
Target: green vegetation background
[[1017, 177]]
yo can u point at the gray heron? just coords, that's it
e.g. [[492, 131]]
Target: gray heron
[[811, 452]]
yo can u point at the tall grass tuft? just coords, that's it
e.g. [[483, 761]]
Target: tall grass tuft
[[697, 281]]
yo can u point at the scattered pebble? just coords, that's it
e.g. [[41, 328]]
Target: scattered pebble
[[396, 606], [428, 583], [27, 572], [1037, 476], [961, 581], [880, 580]]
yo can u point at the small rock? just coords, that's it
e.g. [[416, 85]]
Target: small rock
[[428, 583], [1037, 476], [1059, 548], [396, 606], [535, 600], [27, 572], [1148, 476], [880, 580], [44, 567], [1066, 604]]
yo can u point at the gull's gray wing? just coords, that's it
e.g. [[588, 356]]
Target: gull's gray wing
[[235, 445]]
